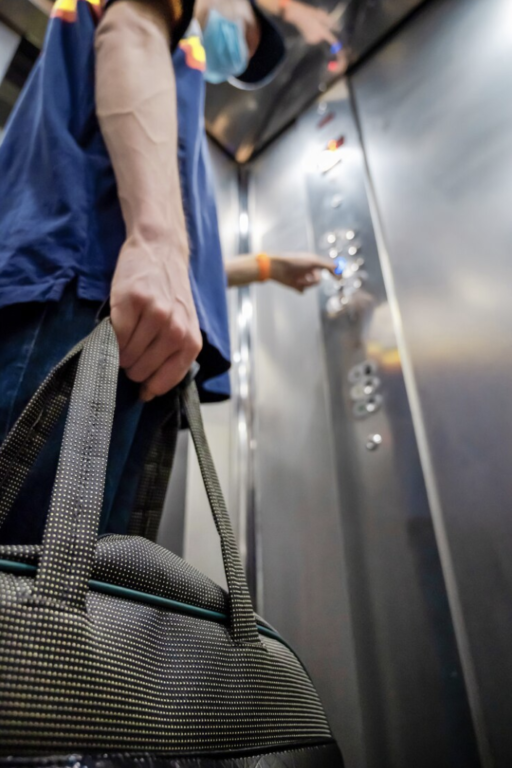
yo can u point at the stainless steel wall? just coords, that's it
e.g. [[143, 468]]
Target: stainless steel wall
[[304, 580], [436, 117], [351, 573], [9, 41]]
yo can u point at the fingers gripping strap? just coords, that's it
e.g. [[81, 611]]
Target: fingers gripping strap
[[24, 442], [71, 530], [243, 624]]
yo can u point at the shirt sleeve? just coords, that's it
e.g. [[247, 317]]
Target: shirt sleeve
[[181, 12]]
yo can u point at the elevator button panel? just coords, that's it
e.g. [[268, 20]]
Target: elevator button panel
[[365, 389]]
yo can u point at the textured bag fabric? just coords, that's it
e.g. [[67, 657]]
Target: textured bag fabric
[[115, 649]]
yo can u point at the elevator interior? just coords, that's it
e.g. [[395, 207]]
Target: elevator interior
[[366, 450]]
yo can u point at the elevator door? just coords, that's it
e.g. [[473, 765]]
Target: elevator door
[[436, 119], [351, 572]]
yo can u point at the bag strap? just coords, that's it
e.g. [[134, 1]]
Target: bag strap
[[71, 530], [70, 535], [23, 444], [29, 434], [243, 623]]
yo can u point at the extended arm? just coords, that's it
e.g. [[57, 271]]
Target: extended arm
[[152, 310], [314, 24], [295, 270]]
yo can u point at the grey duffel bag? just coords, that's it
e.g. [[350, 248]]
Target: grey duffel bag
[[114, 651]]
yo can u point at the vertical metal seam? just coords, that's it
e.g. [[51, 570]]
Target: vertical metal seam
[[436, 509], [248, 529]]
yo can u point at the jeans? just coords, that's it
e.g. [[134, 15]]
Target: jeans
[[34, 337]]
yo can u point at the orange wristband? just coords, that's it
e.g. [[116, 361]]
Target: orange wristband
[[263, 260]]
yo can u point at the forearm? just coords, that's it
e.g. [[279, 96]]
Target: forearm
[[286, 9], [242, 270], [136, 108], [271, 6], [151, 304], [298, 270]]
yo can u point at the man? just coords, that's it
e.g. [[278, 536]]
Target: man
[[105, 188], [98, 197]]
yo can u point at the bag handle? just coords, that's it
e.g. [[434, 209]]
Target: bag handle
[[29, 434], [70, 534], [243, 622], [71, 530]]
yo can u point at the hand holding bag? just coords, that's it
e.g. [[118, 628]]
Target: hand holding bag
[[114, 650]]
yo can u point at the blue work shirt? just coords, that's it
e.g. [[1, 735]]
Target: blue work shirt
[[60, 217]]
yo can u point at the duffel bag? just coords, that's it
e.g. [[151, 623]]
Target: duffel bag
[[114, 651]]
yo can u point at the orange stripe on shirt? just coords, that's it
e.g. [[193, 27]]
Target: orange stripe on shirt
[[66, 10], [195, 57]]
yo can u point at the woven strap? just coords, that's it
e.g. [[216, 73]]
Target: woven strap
[[70, 535], [24, 442], [71, 530], [243, 624]]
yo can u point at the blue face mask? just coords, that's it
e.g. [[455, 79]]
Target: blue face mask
[[225, 47]]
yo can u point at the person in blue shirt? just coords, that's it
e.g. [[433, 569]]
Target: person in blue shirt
[[106, 192]]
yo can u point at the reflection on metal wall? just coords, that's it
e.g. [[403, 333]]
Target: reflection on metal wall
[[437, 126], [350, 566], [303, 566], [244, 121]]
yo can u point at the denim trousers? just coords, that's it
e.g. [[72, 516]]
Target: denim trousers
[[34, 337]]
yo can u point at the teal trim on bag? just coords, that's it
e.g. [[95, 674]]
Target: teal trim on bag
[[24, 569]]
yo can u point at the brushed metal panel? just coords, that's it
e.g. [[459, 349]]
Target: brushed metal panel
[[304, 580], [437, 127], [9, 41], [402, 623], [351, 527]]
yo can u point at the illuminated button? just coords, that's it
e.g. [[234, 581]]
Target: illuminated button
[[331, 238], [350, 234], [373, 442], [353, 250], [333, 253], [340, 266], [336, 201]]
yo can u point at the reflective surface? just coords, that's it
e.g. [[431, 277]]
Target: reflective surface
[[437, 129], [303, 568], [350, 564], [244, 121], [27, 18]]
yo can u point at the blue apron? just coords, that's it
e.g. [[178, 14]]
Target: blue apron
[[60, 217]]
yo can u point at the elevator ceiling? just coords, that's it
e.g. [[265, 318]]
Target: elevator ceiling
[[243, 122]]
